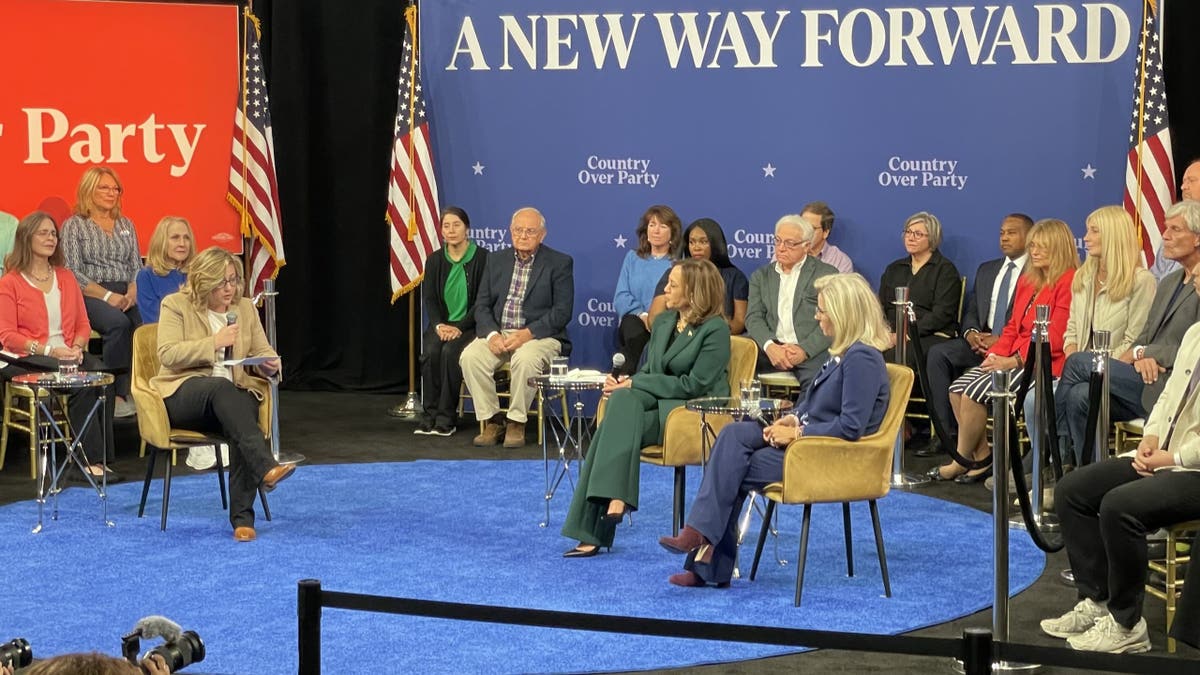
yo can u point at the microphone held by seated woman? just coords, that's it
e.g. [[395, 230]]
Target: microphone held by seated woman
[[847, 399], [687, 357], [202, 394]]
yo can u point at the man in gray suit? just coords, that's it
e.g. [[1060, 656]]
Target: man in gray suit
[[781, 313], [1137, 377]]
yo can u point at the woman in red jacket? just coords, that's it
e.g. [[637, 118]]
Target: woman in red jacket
[[43, 321], [1047, 279]]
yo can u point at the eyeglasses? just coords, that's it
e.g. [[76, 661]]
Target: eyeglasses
[[112, 189], [46, 233], [789, 243], [820, 312], [524, 231], [915, 234], [232, 282]]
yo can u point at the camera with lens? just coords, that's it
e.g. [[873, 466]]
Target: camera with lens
[[16, 652], [181, 649]]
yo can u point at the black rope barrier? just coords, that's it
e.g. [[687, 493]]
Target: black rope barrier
[[1095, 391], [975, 648], [939, 425], [1047, 426]]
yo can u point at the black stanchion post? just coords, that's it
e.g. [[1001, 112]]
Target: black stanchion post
[[904, 318], [977, 651], [308, 612], [1047, 521]]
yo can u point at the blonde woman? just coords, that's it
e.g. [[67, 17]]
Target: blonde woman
[[687, 357], [172, 247], [101, 248], [847, 399], [1046, 280], [203, 395], [1112, 292]]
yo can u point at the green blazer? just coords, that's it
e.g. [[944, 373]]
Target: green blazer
[[696, 364]]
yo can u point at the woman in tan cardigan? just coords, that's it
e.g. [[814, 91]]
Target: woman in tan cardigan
[[203, 395]]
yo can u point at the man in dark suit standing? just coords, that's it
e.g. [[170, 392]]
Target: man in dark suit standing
[[525, 302], [781, 311], [988, 306]]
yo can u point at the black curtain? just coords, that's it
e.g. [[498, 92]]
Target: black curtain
[[332, 68]]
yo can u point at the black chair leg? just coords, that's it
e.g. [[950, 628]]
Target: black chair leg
[[762, 537], [803, 552], [262, 497], [166, 497], [677, 509], [887, 584], [849, 546], [146, 484], [221, 479]]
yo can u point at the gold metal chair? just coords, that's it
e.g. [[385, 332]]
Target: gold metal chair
[[819, 470], [19, 410], [1169, 567], [155, 427], [1126, 433], [681, 439]]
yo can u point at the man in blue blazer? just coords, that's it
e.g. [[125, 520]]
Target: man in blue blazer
[[525, 302], [988, 307]]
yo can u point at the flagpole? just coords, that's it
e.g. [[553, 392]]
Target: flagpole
[[411, 408]]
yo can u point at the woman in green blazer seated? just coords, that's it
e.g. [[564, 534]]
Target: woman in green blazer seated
[[688, 357]]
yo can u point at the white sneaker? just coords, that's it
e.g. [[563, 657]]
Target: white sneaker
[[1110, 637], [124, 408], [204, 457], [1075, 622]]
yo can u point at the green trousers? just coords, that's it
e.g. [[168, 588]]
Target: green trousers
[[612, 469]]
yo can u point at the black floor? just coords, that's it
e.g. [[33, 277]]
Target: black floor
[[342, 428]]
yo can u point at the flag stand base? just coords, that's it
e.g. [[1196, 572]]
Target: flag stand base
[[409, 410]]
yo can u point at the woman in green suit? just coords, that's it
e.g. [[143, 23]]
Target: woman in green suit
[[688, 357]]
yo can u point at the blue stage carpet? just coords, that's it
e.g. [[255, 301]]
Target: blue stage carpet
[[462, 531]]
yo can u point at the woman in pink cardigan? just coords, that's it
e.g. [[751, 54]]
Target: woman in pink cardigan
[[43, 322]]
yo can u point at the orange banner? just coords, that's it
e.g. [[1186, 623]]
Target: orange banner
[[146, 89]]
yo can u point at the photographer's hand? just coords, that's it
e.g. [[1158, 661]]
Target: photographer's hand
[[155, 664], [6, 669]]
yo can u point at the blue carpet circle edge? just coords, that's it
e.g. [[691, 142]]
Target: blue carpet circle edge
[[463, 531]]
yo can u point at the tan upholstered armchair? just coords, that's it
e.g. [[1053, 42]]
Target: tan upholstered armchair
[[819, 470], [155, 427], [681, 439]]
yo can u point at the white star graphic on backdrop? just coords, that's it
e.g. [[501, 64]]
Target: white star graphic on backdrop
[[1089, 171], [478, 168], [768, 171], [620, 240]]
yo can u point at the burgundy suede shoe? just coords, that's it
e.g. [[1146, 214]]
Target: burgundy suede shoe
[[688, 540]]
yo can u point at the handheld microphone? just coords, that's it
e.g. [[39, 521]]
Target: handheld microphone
[[230, 319], [756, 414], [158, 626], [618, 362]]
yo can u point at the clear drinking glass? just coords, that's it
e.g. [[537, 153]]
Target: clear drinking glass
[[67, 368], [558, 367], [753, 395]]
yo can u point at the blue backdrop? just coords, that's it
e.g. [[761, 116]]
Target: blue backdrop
[[591, 111]]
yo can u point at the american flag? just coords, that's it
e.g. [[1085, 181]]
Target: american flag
[[412, 211], [252, 187], [1150, 171]]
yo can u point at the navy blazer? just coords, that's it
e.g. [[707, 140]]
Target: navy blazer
[[979, 300], [549, 296], [848, 397]]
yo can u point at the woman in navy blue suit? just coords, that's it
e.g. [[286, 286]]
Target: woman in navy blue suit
[[847, 400]]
